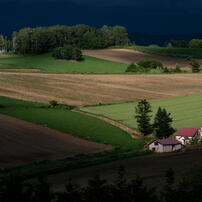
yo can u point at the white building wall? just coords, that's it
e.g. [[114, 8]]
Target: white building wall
[[181, 139], [164, 148], [158, 148], [177, 147]]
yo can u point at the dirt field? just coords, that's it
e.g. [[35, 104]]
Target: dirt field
[[94, 89], [150, 168], [23, 142], [129, 56]]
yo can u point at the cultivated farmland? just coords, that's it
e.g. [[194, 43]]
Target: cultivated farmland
[[129, 56], [25, 142], [76, 124], [185, 111], [94, 89], [171, 51]]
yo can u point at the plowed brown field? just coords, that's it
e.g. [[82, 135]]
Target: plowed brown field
[[129, 56], [23, 142], [95, 89]]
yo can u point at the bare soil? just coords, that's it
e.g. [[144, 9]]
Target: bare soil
[[23, 142], [94, 89], [133, 56]]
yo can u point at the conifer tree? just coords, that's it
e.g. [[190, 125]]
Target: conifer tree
[[143, 117], [162, 124]]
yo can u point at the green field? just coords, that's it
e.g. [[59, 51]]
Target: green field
[[169, 51], [48, 64], [69, 122], [186, 111]]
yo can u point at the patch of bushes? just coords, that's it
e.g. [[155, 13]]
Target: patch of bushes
[[196, 66], [150, 63], [68, 53], [153, 67], [134, 68], [146, 65], [53, 103]]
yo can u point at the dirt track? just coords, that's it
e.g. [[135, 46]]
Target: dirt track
[[94, 89], [129, 56], [23, 142], [131, 132], [150, 168]]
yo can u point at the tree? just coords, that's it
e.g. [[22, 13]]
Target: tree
[[195, 43], [143, 117], [162, 124], [53, 103], [68, 53], [132, 68], [120, 36], [196, 66]]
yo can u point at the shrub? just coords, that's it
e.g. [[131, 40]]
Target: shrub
[[70, 107], [150, 63], [67, 53], [158, 70], [177, 69], [136, 68], [53, 103], [194, 141], [196, 66], [166, 70], [132, 68]]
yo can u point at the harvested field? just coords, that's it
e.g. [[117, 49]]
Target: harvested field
[[129, 56], [23, 142], [94, 89]]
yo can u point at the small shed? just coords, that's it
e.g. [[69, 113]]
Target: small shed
[[184, 135], [165, 145]]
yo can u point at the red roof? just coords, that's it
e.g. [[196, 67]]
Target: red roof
[[187, 132], [170, 141]]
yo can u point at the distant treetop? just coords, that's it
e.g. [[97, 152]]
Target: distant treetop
[[44, 39]]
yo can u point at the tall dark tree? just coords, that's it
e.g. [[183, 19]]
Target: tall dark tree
[[162, 124], [143, 117]]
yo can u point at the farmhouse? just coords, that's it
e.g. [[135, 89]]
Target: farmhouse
[[185, 135], [165, 145]]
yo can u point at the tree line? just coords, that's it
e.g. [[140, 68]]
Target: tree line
[[121, 189], [44, 39], [194, 43]]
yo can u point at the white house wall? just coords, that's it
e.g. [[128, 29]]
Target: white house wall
[[165, 148]]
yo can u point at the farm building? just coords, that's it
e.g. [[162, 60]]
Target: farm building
[[184, 135], [165, 145]]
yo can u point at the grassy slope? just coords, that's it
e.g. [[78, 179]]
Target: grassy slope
[[169, 51], [69, 122], [48, 64], [185, 110]]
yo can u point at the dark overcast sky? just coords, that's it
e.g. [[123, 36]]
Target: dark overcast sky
[[148, 16]]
